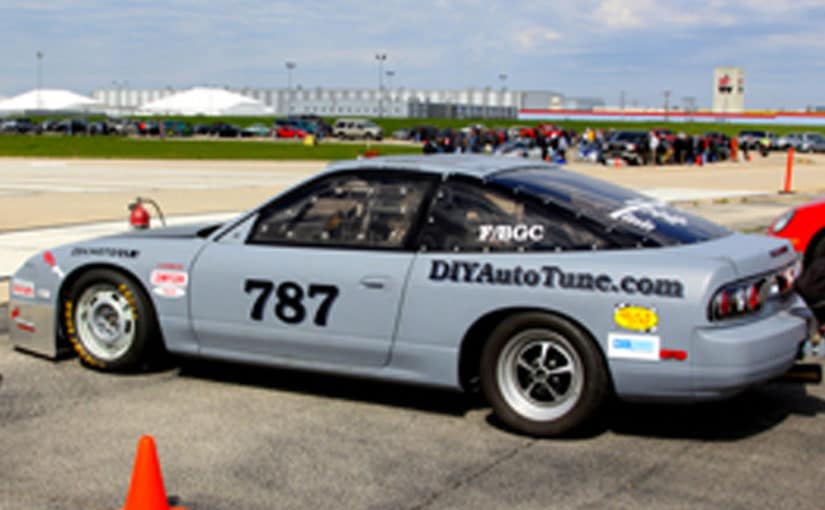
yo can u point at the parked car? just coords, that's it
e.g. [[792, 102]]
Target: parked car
[[286, 128], [224, 130], [811, 142], [20, 126], [804, 227], [546, 290], [787, 141], [755, 140], [402, 134], [72, 127], [147, 128], [519, 148], [177, 128], [314, 124], [631, 146], [257, 129], [357, 128]]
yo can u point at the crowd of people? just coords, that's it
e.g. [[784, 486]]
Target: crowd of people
[[660, 147], [552, 143]]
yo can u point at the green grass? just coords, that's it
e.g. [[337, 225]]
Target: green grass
[[131, 148]]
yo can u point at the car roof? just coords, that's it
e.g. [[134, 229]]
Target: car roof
[[444, 164]]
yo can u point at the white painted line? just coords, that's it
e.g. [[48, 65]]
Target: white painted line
[[688, 194], [49, 164]]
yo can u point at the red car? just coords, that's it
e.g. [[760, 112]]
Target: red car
[[289, 132], [804, 227]]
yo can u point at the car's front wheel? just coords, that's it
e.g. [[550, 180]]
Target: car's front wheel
[[110, 321], [542, 375]]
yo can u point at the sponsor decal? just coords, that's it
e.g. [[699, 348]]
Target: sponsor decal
[[635, 318], [169, 277], [97, 251], [21, 323], [552, 277], [636, 347], [506, 233], [169, 292], [169, 283], [22, 288], [654, 211], [44, 294]]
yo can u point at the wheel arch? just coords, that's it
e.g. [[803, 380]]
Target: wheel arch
[[816, 240], [71, 278], [472, 343]]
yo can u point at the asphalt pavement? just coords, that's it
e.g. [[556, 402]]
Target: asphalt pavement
[[233, 437]]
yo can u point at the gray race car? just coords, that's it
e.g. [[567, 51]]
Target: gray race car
[[545, 289]]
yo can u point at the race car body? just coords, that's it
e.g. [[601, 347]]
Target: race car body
[[547, 289], [804, 227]]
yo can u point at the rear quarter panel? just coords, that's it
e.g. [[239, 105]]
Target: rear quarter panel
[[444, 298]]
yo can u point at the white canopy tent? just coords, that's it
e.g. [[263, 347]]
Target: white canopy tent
[[49, 100], [206, 101]]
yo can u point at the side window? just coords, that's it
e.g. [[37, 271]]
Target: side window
[[370, 210], [472, 217]]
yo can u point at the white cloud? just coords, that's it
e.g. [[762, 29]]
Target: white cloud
[[535, 37], [622, 15]]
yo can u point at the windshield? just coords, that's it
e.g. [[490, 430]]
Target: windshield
[[613, 205]]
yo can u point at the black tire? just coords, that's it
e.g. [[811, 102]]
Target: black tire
[[566, 381], [816, 249], [124, 336]]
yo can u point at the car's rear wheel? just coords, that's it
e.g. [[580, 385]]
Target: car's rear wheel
[[110, 321], [816, 249], [542, 375]]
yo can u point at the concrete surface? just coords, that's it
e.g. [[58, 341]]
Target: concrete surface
[[236, 437]]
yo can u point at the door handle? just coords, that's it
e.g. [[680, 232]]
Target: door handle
[[375, 282]]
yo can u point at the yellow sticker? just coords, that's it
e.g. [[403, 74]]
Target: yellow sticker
[[636, 318]]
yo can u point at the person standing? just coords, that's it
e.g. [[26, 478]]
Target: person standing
[[653, 143]]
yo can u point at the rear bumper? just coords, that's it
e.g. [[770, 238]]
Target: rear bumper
[[721, 361], [732, 359], [32, 327]]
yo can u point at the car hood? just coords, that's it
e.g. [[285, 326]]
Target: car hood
[[187, 231]]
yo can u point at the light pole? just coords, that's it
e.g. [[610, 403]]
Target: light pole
[[39, 78], [289, 67], [390, 74], [667, 102], [503, 78], [380, 57]]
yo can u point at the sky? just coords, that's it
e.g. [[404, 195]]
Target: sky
[[634, 49]]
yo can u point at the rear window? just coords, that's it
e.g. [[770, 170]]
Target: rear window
[[614, 206]]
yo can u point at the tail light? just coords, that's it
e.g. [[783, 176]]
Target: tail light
[[748, 296]]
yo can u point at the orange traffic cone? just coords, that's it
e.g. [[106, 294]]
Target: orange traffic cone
[[617, 162], [146, 491]]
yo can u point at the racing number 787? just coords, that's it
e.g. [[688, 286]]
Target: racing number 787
[[289, 307]]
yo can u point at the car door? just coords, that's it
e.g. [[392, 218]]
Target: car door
[[320, 276]]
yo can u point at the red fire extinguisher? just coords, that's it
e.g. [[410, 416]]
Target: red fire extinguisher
[[139, 217]]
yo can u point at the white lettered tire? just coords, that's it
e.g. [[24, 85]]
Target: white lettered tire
[[110, 322]]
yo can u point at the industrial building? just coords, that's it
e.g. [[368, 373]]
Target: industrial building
[[399, 102]]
